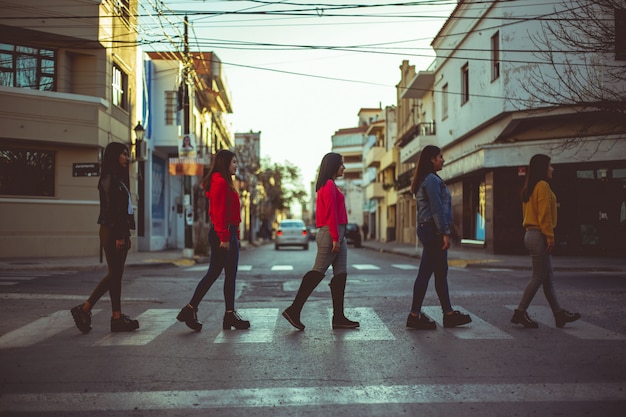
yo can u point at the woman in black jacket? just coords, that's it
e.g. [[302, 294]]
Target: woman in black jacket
[[116, 219]]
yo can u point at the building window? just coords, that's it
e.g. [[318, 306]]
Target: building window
[[25, 67], [474, 209], [620, 34], [444, 102], [495, 56], [119, 86], [170, 107], [464, 84], [122, 9], [26, 172]]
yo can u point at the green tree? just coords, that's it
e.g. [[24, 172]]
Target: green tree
[[282, 187]]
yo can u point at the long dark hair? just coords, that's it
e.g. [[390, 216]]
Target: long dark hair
[[331, 162], [221, 163], [111, 162], [424, 166], [537, 171]]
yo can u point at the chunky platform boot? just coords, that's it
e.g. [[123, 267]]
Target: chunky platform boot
[[189, 315]]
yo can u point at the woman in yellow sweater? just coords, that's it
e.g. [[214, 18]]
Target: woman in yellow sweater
[[539, 210]]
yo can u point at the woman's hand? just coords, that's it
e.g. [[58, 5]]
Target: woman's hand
[[336, 247], [446, 242], [549, 245], [120, 244], [225, 245]]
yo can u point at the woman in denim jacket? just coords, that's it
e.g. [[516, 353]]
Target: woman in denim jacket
[[434, 223]]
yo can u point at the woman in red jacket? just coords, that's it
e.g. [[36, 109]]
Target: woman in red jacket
[[224, 211], [331, 218]]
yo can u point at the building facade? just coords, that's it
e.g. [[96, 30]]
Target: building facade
[[67, 89], [492, 116], [187, 102]]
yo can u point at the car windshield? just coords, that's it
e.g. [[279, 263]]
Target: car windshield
[[288, 225]]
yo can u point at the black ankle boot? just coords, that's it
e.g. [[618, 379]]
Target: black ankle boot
[[522, 317], [82, 318], [124, 324], [233, 319], [189, 315], [565, 316], [341, 322], [337, 291]]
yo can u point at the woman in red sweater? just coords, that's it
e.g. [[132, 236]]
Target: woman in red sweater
[[332, 249], [224, 211]]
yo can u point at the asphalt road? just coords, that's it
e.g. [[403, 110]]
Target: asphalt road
[[488, 368]]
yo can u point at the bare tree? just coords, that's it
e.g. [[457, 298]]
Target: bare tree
[[587, 66]]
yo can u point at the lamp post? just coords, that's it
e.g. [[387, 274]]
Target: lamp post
[[139, 156], [139, 133]]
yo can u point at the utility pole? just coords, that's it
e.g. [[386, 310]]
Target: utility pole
[[188, 252]]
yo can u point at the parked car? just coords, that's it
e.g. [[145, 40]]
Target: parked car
[[313, 232], [353, 235], [292, 233]]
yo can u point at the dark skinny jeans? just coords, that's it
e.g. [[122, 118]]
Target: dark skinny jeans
[[434, 260], [221, 259], [112, 282]]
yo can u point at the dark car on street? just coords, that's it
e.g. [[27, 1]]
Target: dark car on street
[[353, 235]]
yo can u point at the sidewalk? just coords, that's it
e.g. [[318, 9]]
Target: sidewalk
[[458, 257]]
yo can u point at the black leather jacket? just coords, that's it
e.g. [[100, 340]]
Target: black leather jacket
[[114, 206]]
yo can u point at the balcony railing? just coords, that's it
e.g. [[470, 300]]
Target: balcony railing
[[414, 141]]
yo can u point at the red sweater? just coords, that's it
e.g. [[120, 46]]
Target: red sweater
[[224, 206], [331, 209]]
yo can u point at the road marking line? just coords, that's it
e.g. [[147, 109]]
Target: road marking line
[[405, 266], [39, 330], [312, 396], [477, 329], [25, 296], [371, 327], [282, 268], [294, 285], [244, 268], [262, 327], [580, 328], [365, 267], [152, 323]]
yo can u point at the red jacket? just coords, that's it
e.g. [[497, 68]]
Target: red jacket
[[224, 206], [331, 209]]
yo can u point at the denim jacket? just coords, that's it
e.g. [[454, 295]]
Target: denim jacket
[[434, 203]]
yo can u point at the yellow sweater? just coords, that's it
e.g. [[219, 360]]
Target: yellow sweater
[[540, 210]]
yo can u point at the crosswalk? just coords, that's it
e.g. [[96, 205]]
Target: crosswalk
[[288, 267], [269, 327]]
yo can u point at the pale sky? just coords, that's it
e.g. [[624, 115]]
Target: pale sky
[[298, 79]]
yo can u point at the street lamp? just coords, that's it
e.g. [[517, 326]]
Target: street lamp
[[139, 132]]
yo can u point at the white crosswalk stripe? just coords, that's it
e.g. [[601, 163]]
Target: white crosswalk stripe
[[405, 266], [152, 323], [580, 328], [267, 323], [39, 330], [261, 331], [371, 327], [477, 329]]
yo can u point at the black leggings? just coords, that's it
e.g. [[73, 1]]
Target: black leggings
[[112, 282]]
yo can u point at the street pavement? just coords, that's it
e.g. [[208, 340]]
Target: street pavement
[[458, 257]]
